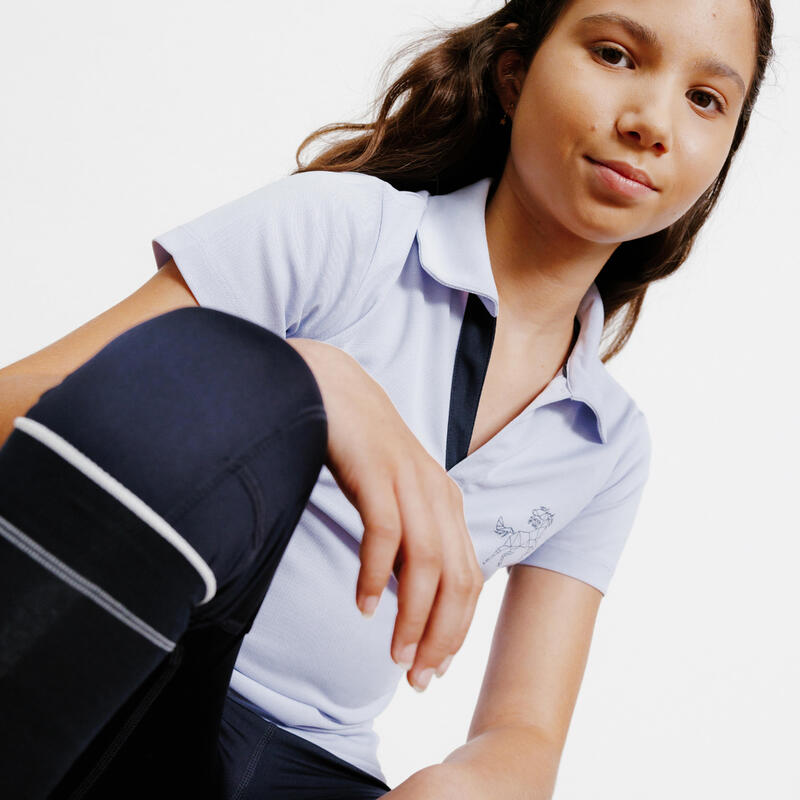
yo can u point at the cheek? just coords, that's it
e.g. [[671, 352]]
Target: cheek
[[700, 163], [560, 114], [679, 199]]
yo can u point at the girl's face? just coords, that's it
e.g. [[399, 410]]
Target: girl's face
[[654, 84]]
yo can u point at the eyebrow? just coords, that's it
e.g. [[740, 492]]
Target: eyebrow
[[649, 37]]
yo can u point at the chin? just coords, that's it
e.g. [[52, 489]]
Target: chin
[[603, 231]]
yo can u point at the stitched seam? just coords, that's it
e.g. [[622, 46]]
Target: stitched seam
[[374, 248], [175, 513], [250, 483], [133, 720], [325, 333], [257, 447], [218, 274], [81, 584], [108, 483], [252, 763]]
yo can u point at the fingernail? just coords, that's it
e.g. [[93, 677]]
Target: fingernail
[[424, 678], [407, 654], [442, 668], [369, 605]]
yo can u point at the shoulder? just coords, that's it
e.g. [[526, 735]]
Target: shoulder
[[638, 445], [343, 193], [625, 420], [325, 186], [633, 447], [345, 212], [359, 215], [628, 436], [313, 198]]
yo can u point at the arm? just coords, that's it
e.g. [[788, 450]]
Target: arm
[[536, 664], [377, 461], [511, 763], [25, 380], [517, 762]]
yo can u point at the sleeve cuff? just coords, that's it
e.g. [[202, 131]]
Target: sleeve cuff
[[206, 283], [563, 561]]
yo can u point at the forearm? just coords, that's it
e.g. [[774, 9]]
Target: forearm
[[513, 763]]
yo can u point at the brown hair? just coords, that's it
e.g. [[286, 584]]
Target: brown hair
[[445, 135]]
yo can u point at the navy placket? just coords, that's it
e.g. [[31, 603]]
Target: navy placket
[[472, 360]]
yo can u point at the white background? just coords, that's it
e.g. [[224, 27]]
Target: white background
[[120, 122]]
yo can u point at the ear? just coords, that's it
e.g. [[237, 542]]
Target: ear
[[508, 75]]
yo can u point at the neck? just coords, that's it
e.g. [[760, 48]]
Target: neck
[[541, 269]]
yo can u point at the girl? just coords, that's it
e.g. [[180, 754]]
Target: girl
[[393, 382]]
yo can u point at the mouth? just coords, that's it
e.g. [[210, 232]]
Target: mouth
[[627, 171]]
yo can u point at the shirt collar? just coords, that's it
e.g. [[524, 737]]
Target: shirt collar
[[453, 250]]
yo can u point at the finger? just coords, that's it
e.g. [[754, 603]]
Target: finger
[[421, 568], [466, 623], [450, 617], [460, 586], [377, 505]]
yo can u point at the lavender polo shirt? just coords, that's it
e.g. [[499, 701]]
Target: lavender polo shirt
[[385, 275]]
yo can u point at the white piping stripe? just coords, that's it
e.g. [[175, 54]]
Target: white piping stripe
[[125, 496], [81, 584]]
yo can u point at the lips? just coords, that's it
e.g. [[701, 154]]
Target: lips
[[627, 171]]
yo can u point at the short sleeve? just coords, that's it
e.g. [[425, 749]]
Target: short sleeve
[[289, 256], [589, 547]]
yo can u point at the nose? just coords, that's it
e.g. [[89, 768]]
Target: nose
[[645, 120]]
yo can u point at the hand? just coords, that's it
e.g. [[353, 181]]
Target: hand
[[412, 510]]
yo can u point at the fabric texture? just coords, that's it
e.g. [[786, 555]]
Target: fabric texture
[[385, 275], [188, 445], [262, 760]]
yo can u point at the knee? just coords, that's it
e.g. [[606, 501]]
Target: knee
[[199, 362], [195, 350], [179, 395]]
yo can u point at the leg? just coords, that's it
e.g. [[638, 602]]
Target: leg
[[145, 503], [278, 763]]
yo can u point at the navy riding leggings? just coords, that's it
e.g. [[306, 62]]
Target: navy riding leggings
[[145, 504]]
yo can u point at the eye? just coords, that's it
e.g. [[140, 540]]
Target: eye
[[707, 99], [615, 53]]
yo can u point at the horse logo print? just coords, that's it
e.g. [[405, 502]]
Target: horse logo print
[[540, 519]]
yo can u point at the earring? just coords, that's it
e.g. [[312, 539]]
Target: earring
[[505, 114]]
